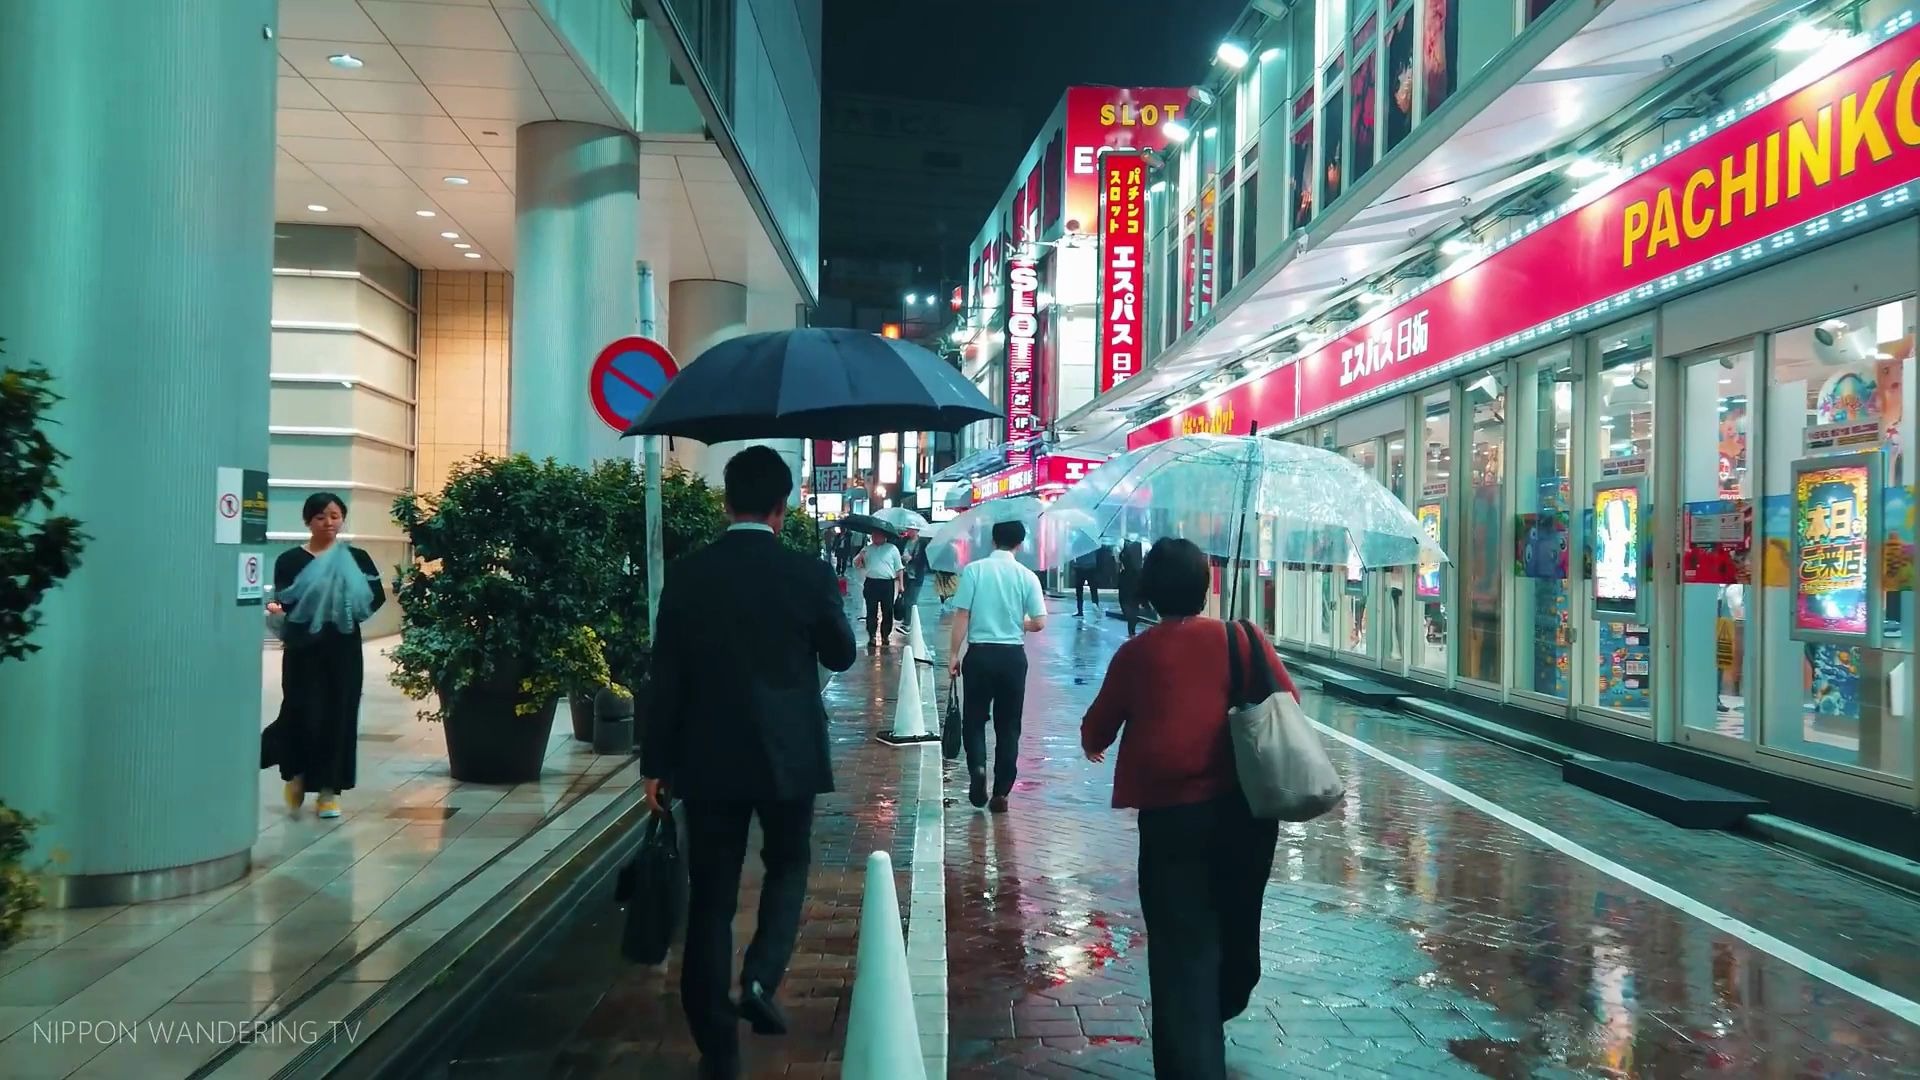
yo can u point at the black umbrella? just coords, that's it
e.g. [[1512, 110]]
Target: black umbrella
[[813, 384], [867, 523]]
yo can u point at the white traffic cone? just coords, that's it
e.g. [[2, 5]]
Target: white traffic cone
[[883, 1038], [917, 642], [909, 719]]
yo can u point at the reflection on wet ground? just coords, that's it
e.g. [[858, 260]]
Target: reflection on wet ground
[[1408, 934]]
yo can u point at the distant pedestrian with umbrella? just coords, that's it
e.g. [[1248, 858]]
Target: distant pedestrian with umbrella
[[883, 574]]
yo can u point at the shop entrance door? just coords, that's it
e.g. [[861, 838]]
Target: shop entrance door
[[1359, 608], [1713, 676]]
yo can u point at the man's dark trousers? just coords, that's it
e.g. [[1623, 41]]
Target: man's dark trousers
[[879, 593], [716, 850], [995, 681]]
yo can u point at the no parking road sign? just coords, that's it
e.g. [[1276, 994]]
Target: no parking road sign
[[626, 377]]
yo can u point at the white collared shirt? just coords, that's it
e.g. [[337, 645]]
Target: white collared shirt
[[999, 595], [881, 562]]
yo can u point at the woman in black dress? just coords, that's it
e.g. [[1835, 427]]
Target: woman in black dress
[[326, 589]]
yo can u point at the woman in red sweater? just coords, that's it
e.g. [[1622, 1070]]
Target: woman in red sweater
[[1204, 858]]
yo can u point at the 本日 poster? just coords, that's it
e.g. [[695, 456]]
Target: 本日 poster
[[1831, 509], [1616, 548]]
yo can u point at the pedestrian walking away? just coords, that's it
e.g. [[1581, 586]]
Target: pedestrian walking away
[[882, 573], [913, 581], [1204, 857], [736, 732], [1131, 559], [1086, 578], [323, 592], [998, 603]]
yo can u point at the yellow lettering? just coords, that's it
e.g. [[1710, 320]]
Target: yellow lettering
[[1860, 123], [1634, 229], [1745, 184], [1666, 228], [1810, 157], [1171, 112], [1773, 171], [1697, 225], [1149, 116], [1904, 121], [1106, 115]]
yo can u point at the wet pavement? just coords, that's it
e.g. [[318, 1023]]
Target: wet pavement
[[1407, 934]]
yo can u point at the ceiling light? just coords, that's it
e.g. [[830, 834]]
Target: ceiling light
[[1372, 298], [1803, 36], [472, 254], [1157, 187], [449, 236], [461, 247], [1586, 168], [1270, 55], [316, 208], [1231, 53], [423, 213], [1211, 133], [1457, 245], [346, 61], [456, 181], [1175, 130]]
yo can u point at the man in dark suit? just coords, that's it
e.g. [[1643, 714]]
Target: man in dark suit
[[737, 730]]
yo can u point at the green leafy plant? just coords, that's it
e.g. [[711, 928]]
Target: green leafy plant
[[801, 532], [691, 516], [38, 549], [514, 564]]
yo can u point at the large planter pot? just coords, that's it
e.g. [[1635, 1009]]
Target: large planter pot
[[487, 743], [580, 705]]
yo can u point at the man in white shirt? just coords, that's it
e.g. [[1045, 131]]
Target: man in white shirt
[[998, 604], [882, 570]]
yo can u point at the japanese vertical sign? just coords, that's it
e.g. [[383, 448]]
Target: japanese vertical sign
[[1834, 586], [1122, 245], [1023, 330]]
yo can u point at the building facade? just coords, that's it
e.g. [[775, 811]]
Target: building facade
[[1631, 338], [369, 239]]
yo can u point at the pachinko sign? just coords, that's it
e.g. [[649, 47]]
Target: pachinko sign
[[1122, 246], [1840, 140], [1103, 119], [1023, 333]]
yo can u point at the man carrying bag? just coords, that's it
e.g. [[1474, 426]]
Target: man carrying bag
[[738, 732]]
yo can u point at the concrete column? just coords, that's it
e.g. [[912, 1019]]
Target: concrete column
[[137, 263], [702, 313], [575, 237]]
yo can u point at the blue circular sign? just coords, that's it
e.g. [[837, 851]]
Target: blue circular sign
[[626, 377]]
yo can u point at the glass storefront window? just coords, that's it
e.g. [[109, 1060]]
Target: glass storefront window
[[1393, 622], [1543, 501], [1428, 650], [1715, 484], [1353, 582], [1483, 570], [1622, 448], [1850, 704]]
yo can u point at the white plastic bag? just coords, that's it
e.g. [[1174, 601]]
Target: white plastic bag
[[1283, 767]]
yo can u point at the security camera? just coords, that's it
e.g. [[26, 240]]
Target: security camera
[[1835, 344]]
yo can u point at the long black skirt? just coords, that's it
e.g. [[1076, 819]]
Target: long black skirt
[[316, 736]]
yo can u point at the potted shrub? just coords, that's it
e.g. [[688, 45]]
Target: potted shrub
[[37, 550], [501, 606], [692, 515]]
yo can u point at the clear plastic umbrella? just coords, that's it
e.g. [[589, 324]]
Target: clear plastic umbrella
[[902, 520], [1053, 538], [1320, 507]]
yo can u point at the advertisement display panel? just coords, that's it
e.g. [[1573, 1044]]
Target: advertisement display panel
[[1619, 547], [1426, 581], [1835, 571]]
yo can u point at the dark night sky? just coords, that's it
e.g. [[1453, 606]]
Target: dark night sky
[[1020, 54]]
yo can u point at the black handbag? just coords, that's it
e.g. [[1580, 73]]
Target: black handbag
[[655, 884], [951, 723]]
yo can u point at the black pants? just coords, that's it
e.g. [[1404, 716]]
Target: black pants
[[996, 683], [879, 593], [320, 684], [716, 849], [1203, 875], [1130, 601], [1089, 581]]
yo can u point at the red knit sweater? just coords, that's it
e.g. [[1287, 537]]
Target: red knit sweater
[[1165, 698]]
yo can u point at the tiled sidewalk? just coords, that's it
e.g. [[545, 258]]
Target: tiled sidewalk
[[583, 1011], [1409, 934], [334, 908]]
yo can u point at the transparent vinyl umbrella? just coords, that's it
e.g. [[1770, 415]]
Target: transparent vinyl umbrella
[[1222, 491], [1053, 538], [902, 520]]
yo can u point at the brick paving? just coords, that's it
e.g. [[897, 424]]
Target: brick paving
[[582, 1011], [1407, 934]]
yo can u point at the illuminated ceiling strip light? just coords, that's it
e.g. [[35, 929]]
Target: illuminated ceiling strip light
[[1892, 26]]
